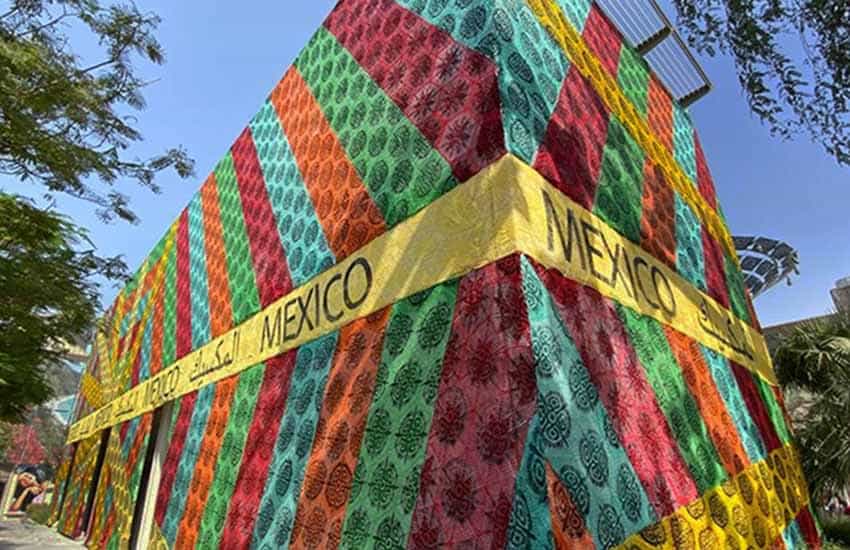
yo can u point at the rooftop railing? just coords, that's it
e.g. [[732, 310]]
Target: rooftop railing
[[647, 28]]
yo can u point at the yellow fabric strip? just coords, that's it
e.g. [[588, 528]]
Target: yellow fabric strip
[[90, 390], [571, 42], [750, 510], [516, 210]]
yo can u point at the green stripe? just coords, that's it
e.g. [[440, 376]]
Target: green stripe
[[680, 409], [401, 170], [774, 410], [633, 76], [386, 481], [735, 285], [619, 194], [245, 302]]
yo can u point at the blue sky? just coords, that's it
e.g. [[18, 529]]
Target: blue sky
[[223, 58]]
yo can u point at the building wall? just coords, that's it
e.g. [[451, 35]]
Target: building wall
[[455, 412]]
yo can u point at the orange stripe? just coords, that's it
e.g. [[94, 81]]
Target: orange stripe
[[660, 112], [722, 428], [568, 527], [346, 211], [333, 459], [157, 334], [221, 320], [136, 447]]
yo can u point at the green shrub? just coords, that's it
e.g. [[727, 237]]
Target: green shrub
[[39, 513], [836, 529]]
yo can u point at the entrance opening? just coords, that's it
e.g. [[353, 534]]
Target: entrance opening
[[138, 510], [98, 469]]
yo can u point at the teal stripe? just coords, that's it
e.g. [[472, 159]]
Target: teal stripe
[[532, 67], [735, 404], [131, 435], [203, 404], [690, 259], [793, 537], [307, 251], [169, 321], [572, 432], [576, 11], [683, 142], [633, 77], [294, 443]]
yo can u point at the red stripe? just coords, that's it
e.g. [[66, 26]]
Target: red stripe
[[704, 180], [172, 458], [635, 414], [259, 450], [273, 281], [450, 92], [658, 222], [603, 39], [184, 346], [756, 406], [270, 270], [809, 529], [570, 156], [715, 269], [485, 402]]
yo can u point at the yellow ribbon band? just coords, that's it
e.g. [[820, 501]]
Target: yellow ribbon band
[[750, 510], [552, 18], [515, 211]]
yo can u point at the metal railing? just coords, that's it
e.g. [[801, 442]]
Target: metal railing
[[647, 29]]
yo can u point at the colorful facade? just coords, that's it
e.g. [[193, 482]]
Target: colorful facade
[[462, 281]]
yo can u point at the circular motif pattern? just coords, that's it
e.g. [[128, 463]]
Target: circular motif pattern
[[457, 494], [555, 423], [336, 489], [404, 385], [547, 351], [609, 527], [496, 435], [578, 489], [629, 493], [585, 394], [450, 416], [594, 458], [411, 433], [382, 484], [434, 326]]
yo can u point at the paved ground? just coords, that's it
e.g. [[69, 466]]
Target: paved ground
[[23, 534]]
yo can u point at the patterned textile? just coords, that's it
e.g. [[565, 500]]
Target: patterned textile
[[510, 407]]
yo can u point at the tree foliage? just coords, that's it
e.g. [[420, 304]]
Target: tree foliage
[[66, 127], [48, 297], [64, 123], [814, 362], [792, 58]]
